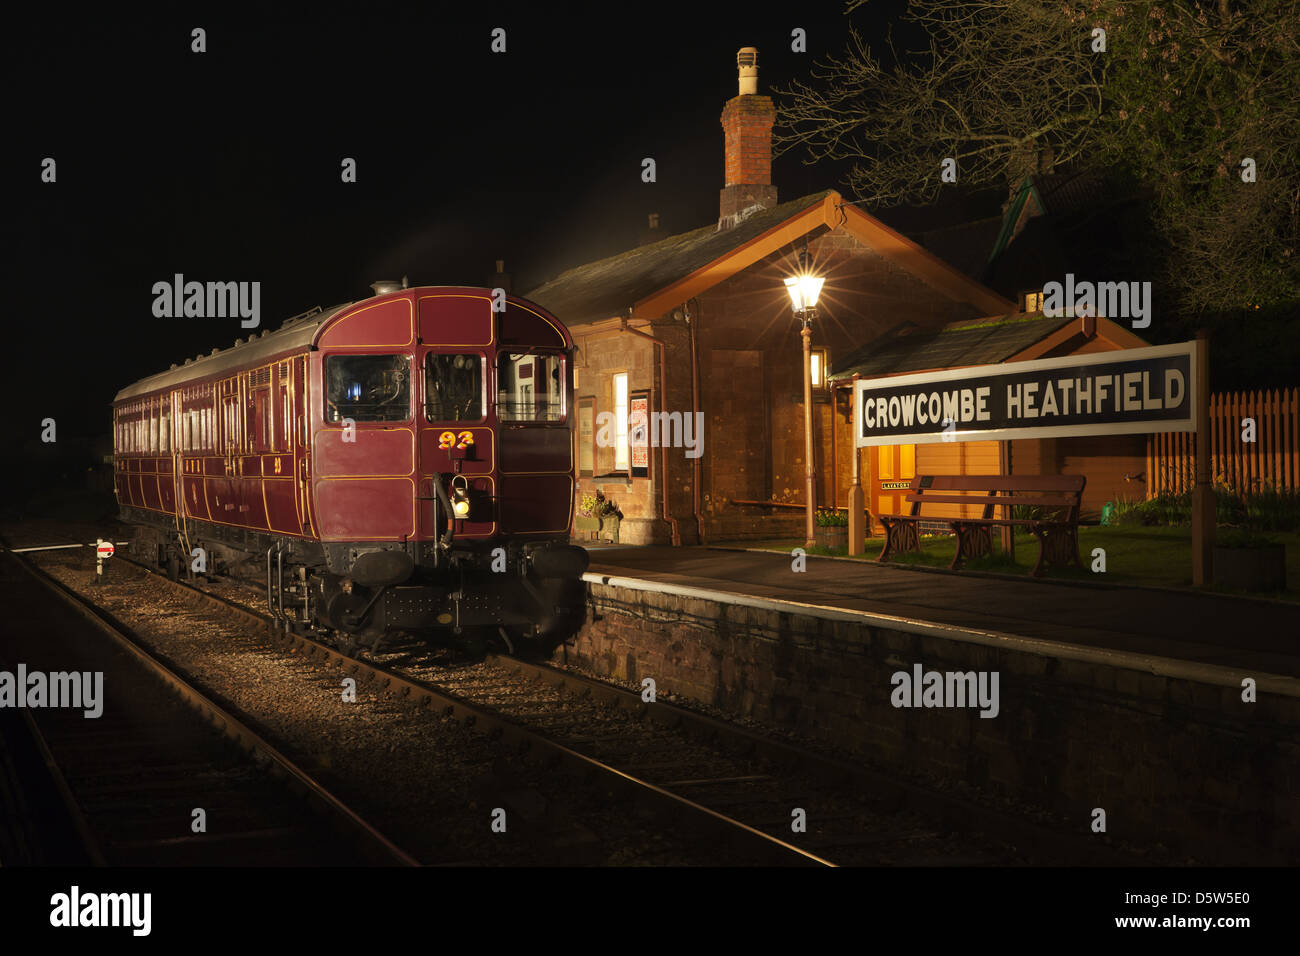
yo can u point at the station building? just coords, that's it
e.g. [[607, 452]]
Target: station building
[[699, 327]]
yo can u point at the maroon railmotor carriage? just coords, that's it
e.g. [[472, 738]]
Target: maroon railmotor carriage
[[399, 464]]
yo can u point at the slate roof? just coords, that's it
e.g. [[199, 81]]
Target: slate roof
[[957, 344], [609, 287]]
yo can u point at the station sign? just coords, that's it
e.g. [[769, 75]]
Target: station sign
[[1130, 391]]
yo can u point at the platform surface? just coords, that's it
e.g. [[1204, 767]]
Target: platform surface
[[1204, 628]]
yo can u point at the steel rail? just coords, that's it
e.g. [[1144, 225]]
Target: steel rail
[[1047, 842], [374, 844], [501, 726], [886, 788]]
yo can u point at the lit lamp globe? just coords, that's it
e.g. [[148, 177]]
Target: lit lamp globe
[[804, 291]]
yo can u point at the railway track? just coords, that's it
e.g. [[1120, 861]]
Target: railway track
[[738, 840], [901, 820], [726, 783], [164, 775]]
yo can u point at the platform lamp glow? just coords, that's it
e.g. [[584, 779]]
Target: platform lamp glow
[[804, 290]]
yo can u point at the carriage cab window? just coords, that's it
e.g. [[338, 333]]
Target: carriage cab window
[[367, 388], [453, 388], [530, 387]]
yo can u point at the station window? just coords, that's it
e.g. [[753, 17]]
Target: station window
[[453, 388], [622, 460], [530, 387], [818, 373], [367, 388]]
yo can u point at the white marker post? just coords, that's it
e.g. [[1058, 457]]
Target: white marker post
[[103, 551]]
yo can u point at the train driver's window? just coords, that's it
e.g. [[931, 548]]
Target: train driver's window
[[368, 388], [453, 388]]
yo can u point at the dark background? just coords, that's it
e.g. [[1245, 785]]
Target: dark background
[[225, 165]]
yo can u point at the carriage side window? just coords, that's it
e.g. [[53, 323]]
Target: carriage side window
[[367, 388], [453, 388], [530, 387]]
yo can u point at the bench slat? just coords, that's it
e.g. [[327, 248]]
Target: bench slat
[[1024, 521], [1004, 482], [991, 500]]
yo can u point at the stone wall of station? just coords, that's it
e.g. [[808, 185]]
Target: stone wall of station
[[1175, 761]]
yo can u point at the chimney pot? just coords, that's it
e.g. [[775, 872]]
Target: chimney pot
[[747, 68]]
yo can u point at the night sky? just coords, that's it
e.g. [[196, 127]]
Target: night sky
[[225, 165]]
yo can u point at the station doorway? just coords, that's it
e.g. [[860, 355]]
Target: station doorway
[[892, 469]]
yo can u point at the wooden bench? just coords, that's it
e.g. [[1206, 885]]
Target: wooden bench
[[1056, 498]]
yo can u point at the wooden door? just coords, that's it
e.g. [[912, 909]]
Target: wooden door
[[892, 469]]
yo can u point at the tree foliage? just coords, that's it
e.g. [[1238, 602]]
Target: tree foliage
[[1183, 93]]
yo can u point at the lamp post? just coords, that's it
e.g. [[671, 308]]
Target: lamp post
[[804, 290]]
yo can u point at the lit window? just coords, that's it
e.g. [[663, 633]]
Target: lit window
[[621, 456], [1034, 301], [365, 388], [818, 357], [530, 387]]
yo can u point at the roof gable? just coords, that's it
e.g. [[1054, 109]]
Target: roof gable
[[651, 279]]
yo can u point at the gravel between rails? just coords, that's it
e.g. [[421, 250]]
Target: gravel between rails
[[853, 831], [427, 781]]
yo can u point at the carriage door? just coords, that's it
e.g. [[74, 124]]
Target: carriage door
[[454, 434], [175, 443], [224, 489], [294, 399], [456, 443], [892, 469]]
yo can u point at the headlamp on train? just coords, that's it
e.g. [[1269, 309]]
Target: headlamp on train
[[460, 496]]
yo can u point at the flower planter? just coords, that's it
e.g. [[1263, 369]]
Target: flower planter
[[832, 536], [602, 528], [1250, 569]]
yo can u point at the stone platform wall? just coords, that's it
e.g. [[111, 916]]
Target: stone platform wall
[[1171, 759]]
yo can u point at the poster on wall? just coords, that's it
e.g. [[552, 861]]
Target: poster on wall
[[586, 436], [638, 432]]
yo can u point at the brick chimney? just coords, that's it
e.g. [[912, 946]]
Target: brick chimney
[[747, 132]]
